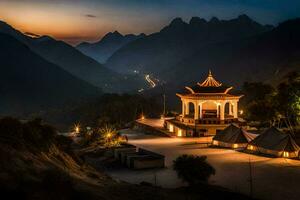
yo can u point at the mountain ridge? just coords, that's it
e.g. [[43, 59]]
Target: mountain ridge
[[179, 40], [29, 83], [107, 45], [71, 60]]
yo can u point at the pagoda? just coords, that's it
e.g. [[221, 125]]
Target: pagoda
[[207, 108]]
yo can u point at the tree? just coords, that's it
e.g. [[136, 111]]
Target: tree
[[193, 169], [262, 111], [259, 102], [256, 91], [288, 99], [117, 110]]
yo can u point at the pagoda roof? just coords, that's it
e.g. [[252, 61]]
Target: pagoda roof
[[210, 81], [210, 87]]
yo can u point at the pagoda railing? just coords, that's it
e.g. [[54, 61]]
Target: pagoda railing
[[191, 121]]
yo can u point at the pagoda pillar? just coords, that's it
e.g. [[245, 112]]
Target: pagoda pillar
[[235, 109], [196, 114], [230, 108], [222, 111], [183, 108], [187, 108], [200, 111]]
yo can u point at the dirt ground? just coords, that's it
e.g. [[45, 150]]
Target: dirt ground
[[272, 178]]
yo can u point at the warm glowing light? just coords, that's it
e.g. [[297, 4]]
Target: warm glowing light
[[142, 117], [215, 142], [162, 117], [150, 81], [179, 134], [108, 135], [250, 147], [285, 154], [77, 128], [171, 128], [235, 146], [241, 112]]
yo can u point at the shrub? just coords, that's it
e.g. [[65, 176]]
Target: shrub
[[32, 134], [11, 130], [193, 169]]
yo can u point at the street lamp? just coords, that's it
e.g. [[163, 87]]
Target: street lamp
[[77, 128], [108, 135]]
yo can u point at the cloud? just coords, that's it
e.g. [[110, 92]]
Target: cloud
[[32, 34], [90, 16]]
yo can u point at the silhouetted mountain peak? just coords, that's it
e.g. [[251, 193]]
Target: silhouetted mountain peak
[[197, 21], [292, 23], [214, 20], [176, 25], [177, 22], [116, 33], [244, 17], [112, 36]]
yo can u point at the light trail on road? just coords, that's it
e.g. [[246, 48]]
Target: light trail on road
[[151, 82]]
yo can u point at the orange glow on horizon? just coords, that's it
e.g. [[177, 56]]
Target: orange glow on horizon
[[65, 21]]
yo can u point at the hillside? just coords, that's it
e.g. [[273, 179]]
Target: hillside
[[39, 164], [73, 61], [109, 44], [29, 83]]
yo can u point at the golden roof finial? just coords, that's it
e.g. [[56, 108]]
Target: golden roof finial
[[210, 81]]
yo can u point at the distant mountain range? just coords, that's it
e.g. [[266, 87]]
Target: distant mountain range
[[73, 61], [236, 50], [109, 44], [29, 83]]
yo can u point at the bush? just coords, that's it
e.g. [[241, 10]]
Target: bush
[[33, 134], [11, 131], [193, 169]]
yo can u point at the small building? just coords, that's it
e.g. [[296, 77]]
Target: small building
[[207, 107], [233, 137], [276, 143]]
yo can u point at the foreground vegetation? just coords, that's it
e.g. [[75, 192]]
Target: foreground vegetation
[[278, 106], [114, 109], [36, 163]]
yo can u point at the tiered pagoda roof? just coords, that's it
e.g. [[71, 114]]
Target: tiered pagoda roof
[[210, 87]]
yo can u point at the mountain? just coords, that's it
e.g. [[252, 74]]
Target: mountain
[[266, 56], [72, 60], [110, 43], [29, 83], [179, 40]]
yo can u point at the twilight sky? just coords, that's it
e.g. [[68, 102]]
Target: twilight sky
[[88, 20]]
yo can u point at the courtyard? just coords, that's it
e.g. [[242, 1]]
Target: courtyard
[[272, 178]]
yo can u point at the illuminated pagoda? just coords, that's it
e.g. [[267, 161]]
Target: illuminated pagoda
[[207, 107]]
